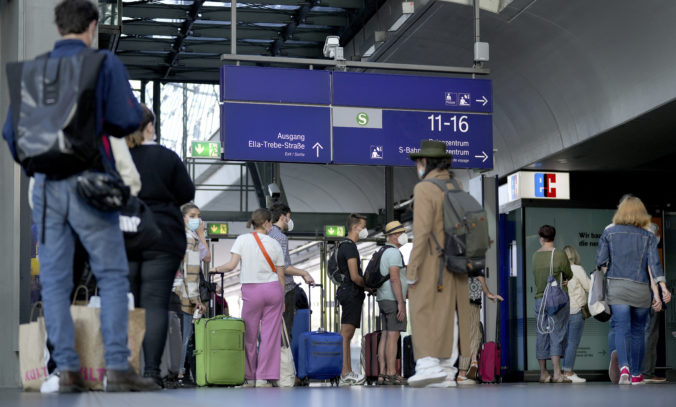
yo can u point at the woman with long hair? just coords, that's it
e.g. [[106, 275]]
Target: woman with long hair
[[578, 288], [629, 253]]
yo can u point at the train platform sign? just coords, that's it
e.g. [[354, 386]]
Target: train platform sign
[[307, 116]]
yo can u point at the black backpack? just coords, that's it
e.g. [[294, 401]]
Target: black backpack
[[54, 113], [332, 269], [372, 276]]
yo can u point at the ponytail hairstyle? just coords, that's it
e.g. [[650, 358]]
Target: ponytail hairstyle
[[259, 217], [187, 207]]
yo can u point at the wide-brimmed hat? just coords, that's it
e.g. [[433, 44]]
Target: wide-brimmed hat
[[394, 227], [431, 149]]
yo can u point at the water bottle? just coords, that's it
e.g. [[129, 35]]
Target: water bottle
[[197, 314]]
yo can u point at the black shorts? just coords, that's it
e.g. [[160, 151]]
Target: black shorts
[[351, 302]]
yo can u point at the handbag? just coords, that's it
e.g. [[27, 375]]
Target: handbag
[[554, 298], [138, 225], [33, 353], [287, 368], [597, 300]]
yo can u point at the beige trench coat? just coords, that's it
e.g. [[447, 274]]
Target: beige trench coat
[[432, 312]]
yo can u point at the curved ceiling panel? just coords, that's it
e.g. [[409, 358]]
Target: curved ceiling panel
[[562, 71]]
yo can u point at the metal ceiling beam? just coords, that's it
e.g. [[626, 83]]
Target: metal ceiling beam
[[145, 29], [343, 3], [185, 31], [154, 10], [249, 16], [318, 36], [333, 20], [223, 47], [354, 64]]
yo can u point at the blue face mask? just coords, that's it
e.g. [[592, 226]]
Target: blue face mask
[[421, 173], [194, 223]]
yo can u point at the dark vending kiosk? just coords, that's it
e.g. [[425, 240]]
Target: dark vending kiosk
[[578, 227]]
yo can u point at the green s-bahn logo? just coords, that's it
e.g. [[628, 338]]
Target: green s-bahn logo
[[362, 119]]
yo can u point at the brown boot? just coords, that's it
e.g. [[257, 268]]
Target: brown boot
[[128, 380], [71, 382]]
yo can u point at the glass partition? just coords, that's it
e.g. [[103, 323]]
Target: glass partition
[[580, 228]]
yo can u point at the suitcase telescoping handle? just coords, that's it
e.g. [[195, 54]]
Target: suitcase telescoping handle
[[321, 305], [212, 298]]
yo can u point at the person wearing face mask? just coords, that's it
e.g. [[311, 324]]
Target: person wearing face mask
[[350, 294], [391, 298], [433, 311], [165, 186], [186, 283], [281, 223], [262, 278]]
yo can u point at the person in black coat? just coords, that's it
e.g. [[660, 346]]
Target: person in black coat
[[166, 186]]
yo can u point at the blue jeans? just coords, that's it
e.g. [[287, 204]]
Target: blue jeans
[[630, 325], [67, 215], [611, 335], [575, 328], [554, 343]]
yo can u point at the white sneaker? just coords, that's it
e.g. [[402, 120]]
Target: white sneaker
[[576, 379], [248, 384], [262, 383], [445, 384], [465, 381], [351, 379], [51, 385], [425, 377]]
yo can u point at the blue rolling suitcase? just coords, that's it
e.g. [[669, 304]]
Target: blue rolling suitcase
[[320, 354], [301, 324]]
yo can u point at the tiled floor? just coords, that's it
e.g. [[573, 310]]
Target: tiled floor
[[502, 395]]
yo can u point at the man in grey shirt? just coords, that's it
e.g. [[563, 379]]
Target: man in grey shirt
[[281, 223]]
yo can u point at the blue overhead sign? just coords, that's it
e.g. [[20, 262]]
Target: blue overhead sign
[[257, 132], [396, 134], [278, 85], [412, 92], [306, 116]]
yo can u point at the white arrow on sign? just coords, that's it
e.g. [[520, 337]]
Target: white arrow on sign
[[484, 156], [199, 148], [483, 100], [317, 146]]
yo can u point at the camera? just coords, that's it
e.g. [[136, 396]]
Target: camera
[[331, 46], [273, 191]]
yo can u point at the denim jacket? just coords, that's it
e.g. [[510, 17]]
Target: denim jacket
[[629, 250]]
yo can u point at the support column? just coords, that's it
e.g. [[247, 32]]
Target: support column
[[17, 43], [389, 194], [157, 109]]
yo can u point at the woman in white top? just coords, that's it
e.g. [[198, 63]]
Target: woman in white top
[[262, 278], [578, 287]]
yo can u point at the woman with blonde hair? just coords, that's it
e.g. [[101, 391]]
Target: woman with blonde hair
[[630, 253], [578, 287]]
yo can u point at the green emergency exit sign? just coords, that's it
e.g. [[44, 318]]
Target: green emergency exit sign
[[209, 149], [217, 229], [334, 231]]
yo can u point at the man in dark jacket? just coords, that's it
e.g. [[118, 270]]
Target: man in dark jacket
[[61, 214]]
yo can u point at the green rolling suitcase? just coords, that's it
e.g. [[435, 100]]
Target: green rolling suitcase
[[219, 351]]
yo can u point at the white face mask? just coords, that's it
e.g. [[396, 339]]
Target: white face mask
[[402, 239], [289, 225], [194, 223], [363, 234]]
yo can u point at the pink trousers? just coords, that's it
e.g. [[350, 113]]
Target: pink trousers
[[262, 309]]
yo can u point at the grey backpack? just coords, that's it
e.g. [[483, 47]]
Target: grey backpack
[[466, 237]]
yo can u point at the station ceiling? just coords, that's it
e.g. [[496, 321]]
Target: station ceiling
[[177, 40]]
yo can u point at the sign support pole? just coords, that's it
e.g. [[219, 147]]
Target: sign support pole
[[389, 194]]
